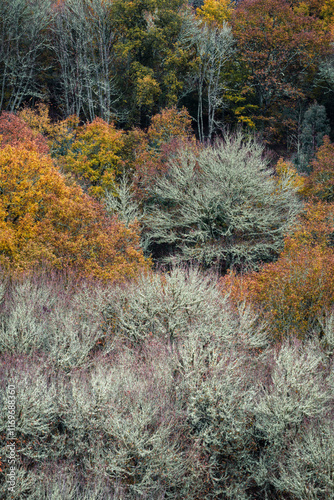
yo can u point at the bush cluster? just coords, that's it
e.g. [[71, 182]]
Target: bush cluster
[[160, 389]]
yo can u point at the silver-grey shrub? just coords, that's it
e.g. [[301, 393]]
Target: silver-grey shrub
[[76, 326], [46, 315], [22, 322], [172, 305], [306, 470], [123, 426], [220, 423], [293, 404], [164, 305], [220, 206], [188, 398]]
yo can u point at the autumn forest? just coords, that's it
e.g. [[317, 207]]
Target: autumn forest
[[167, 249]]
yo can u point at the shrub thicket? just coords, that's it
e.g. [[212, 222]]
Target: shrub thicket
[[159, 389]]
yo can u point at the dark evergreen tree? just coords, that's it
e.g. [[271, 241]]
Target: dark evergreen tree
[[315, 126]]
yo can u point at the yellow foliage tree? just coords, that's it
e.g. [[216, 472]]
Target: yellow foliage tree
[[327, 13], [59, 135], [286, 168], [95, 156], [147, 91], [38, 119], [215, 11]]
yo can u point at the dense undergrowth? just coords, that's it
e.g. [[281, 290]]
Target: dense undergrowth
[[159, 388]]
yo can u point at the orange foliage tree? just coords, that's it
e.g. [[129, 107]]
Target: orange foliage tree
[[320, 183], [14, 130], [43, 219], [293, 293], [170, 123], [279, 50], [168, 130]]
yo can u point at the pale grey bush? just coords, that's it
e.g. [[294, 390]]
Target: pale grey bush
[[72, 339], [42, 316], [37, 437], [121, 422], [205, 348], [60, 482], [297, 389], [58, 486], [170, 305], [251, 332], [63, 484], [298, 392], [220, 206], [3, 287], [306, 470], [22, 327], [36, 407], [75, 326], [203, 407], [122, 202], [164, 305], [70, 343], [248, 420], [327, 324], [218, 419], [26, 481], [22, 331]]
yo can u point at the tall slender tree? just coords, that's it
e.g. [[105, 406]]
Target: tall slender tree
[[22, 41], [83, 41], [214, 47]]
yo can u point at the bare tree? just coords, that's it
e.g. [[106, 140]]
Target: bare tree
[[214, 47], [84, 47], [22, 41]]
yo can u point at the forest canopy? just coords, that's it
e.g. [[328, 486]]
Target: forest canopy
[[167, 249]]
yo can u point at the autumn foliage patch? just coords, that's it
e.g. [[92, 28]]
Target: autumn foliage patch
[[295, 293], [46, 219]]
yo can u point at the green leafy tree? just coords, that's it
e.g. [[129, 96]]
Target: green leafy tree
[[314, 127], [152, 62]]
